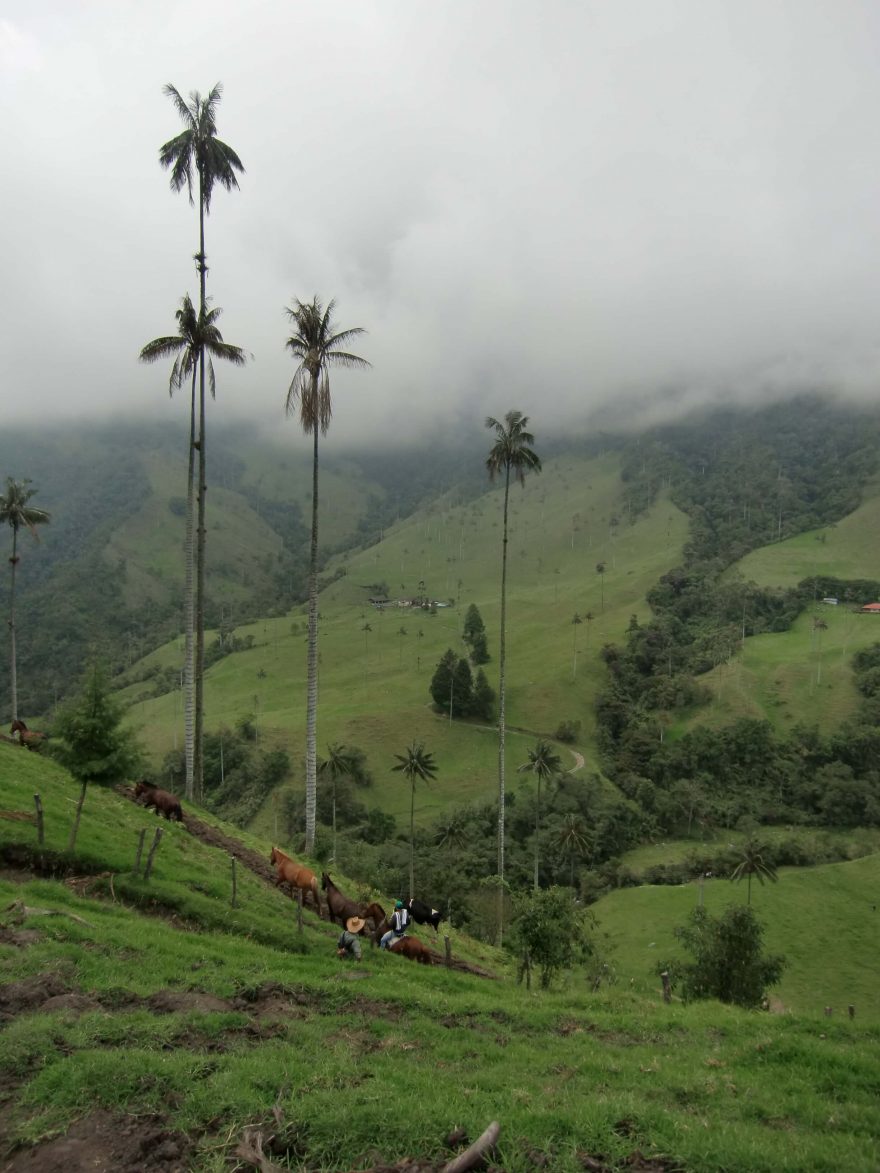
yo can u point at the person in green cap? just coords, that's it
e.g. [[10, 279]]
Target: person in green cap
[[399, 921]]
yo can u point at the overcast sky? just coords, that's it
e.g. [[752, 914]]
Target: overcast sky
[[547, 206]]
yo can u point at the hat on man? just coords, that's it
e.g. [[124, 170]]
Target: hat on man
[[354, 924]]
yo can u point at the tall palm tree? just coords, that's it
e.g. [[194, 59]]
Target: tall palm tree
[[197, 335], [338, 763], [511, 454], [751, 864], [545, 764], [197, 154], [317, 346], [415, 763], [576, 622], [17, 514], [600, 570]]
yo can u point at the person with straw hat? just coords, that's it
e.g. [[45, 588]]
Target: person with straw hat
[[349, 944]]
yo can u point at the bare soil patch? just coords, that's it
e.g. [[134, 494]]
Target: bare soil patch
[[102, 1142]]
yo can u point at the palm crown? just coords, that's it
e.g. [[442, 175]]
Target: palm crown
[[197, 147], [511, 451], [317, 348], [14, 508], [195, 332]]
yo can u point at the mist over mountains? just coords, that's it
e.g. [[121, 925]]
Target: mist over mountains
[[106, 575]]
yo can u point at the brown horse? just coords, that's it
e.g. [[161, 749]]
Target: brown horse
[[341, 907], [412, 948], [297, 875], [31, 739], [163, 801]]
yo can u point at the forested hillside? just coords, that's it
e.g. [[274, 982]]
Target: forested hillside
[[106, 577]]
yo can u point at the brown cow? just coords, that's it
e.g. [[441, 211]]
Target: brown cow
[[164, 803], [412, 948]]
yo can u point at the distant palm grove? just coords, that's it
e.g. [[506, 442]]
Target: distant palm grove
[[627, 753]]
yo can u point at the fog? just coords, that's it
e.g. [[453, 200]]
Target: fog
[[565, 208]]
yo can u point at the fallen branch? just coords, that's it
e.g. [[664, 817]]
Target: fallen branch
[[20, 912], [469, 1158]]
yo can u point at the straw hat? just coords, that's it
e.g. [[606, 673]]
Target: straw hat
[[354, 924]]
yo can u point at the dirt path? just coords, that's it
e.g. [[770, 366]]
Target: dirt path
[[261, 867], [579, 761]]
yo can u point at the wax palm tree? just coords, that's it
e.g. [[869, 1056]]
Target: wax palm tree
[[415, 763], [545, 764], [197, 337], [576, 840], [751, 864], [18, 514], [510, 455], [197, 158], [317, 346], [600, 570], [576, 623], [338, 763]]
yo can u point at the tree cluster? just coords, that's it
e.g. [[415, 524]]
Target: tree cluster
[[455, 689]]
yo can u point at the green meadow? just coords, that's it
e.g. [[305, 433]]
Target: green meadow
[[376, 665], [803, 675], [162, 1002]]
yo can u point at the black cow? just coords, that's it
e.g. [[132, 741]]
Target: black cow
[[424, 914]]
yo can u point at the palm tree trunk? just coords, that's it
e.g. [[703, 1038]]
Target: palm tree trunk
[[188, 664], [412, 839], [312, 660], [198, 741], [501, 726], [13, 675], [537, 829]]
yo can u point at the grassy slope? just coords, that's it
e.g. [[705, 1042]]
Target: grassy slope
[[824, 919], [565, 1071], [240, 541], [801, 675], [374, 685]]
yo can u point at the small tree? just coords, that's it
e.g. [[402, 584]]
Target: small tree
[[728, 961], [90, 741], [483, 705], [415, 763], [474, 635], [549, 933]]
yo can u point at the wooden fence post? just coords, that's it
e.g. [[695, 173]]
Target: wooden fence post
[[448, 945], [667, 986], [41, 836], [234, 892], [851, 1011], [153, 847], [140, 849], [827, 1011], [299, 909]]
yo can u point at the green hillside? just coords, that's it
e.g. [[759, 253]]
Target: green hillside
[[825, 920], [849, 549], [374, 683], [147, 1022], [803, 675]]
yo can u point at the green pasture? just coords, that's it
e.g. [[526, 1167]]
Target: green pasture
[[825, 920], [373, 687], [800, 676], [849, 549], [210, 1017], [851, 843]]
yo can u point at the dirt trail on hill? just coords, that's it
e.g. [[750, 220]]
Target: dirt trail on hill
[[261, 867]]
